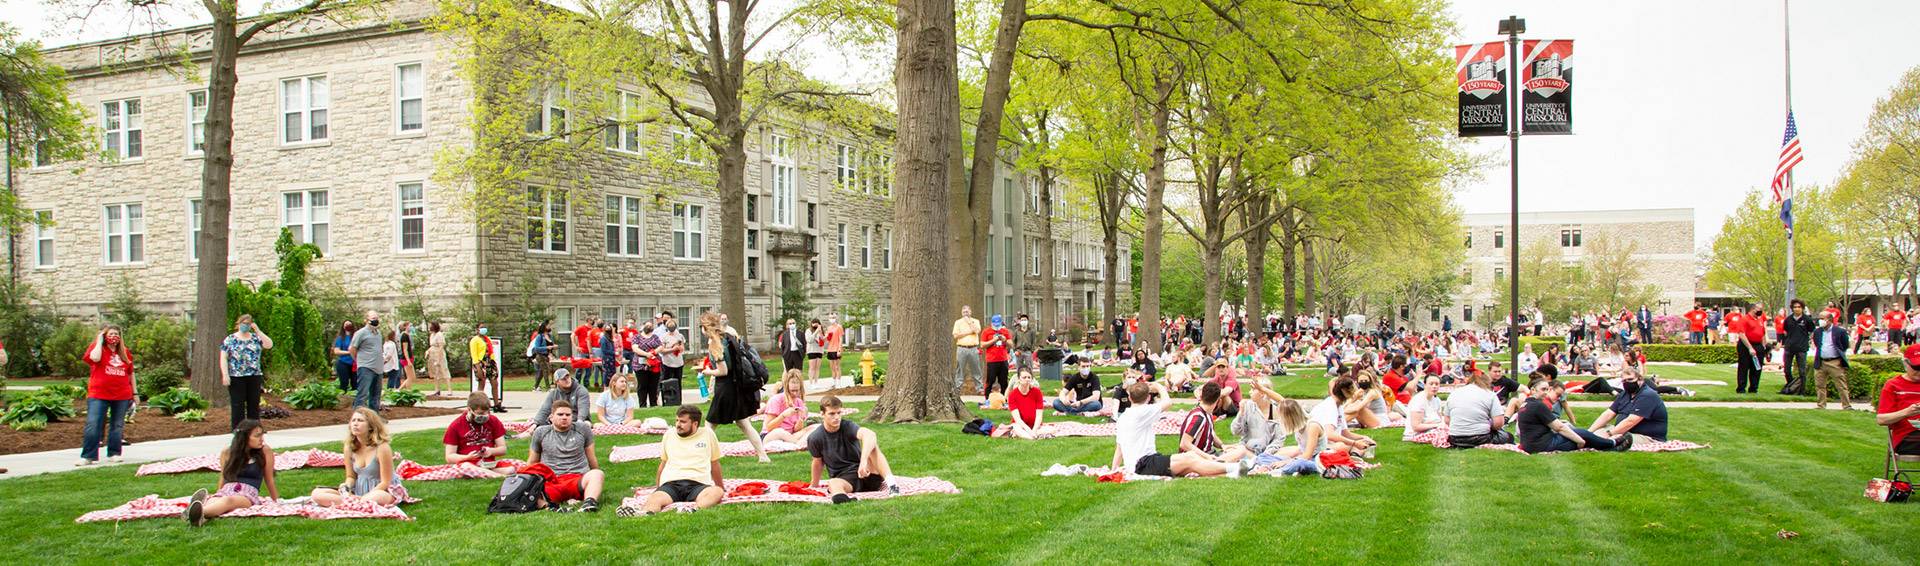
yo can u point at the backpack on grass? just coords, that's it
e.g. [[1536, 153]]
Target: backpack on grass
[[982, 427], [519, 493]]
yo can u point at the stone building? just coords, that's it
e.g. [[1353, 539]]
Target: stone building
[[337, 131], [1662, 240]]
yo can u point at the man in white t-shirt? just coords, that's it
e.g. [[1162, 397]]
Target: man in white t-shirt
[[1334, 423], [689, 467], [1134, 449], [1528, 361], [1475, 416]]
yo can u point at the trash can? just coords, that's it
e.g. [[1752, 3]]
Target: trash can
[[1050, 362]]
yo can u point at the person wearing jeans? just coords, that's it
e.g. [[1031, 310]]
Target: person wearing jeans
[[369, 353], [110, 390], [240, 369], [1541, 431]]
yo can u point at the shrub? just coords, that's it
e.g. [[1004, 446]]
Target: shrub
[[1699, 354], [405, 397], [1877, 364], [43, 408], [158, 380], [191, 416], [1540, 343], [314, 395], [160, 343], [176, 401], [273, 412], [27, 319], [29, 425], [66, 347], [68, 391]]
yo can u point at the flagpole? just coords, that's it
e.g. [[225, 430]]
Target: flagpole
[[1786, 33]]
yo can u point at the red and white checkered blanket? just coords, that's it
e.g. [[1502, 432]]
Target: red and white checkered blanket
[[414, 471], [908, 486], [1130, 476], [153, 507], [1437, 438], [1168, 423], [651, 450], [311, 458], [601, 429]]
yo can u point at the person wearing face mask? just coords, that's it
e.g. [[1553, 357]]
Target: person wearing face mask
[[486, 363], [240, 369], [1796, 335], [1079, 391], [1542, 431], [477, 439], [1025, 340], [110, 387], [994, 342], [816, 348], [792, 345], [369, 357], [1637, 410], [1829, 345]]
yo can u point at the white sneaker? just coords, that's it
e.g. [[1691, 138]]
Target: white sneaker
[[115, 459]]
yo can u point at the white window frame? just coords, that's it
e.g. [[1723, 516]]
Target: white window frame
[[840, 245], [308, 110], [193, 233], [131, 143], [622, 136], [688, 149], [197, 122], [310, 216], [786, 180], [127, 234], [866, 247], [689, 232], [547, 221], [43, 232], [626, 214], [400, 97], [886, 254], [1033, 258], [400, 217], [847, 167]]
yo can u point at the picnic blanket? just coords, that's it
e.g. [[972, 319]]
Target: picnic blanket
[[1104, 474], [600, 429], [291, 459], [153, 507], [651, 450], [1168, 423], [908, 487], [1437, 438], [414, 471]]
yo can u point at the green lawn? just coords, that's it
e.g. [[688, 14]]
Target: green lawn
[[1723, 504]]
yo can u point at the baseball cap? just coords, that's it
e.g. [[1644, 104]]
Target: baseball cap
[[560, 374], [996, 320], [1912, 354]]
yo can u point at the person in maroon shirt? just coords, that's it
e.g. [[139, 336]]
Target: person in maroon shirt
[[1196, 430]]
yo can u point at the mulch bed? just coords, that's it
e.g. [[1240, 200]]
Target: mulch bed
[[150, 425], [855, 390]]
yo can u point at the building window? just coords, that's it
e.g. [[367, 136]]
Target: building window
[[546, 220], [623, 226], [1499, 239], [623, 134], [1576, 237], [1059, 259], [847, 168], [886, 176], [1466, 313], [840, 245], [813, 215], [303, 109], [753, 239], [753, 268], [785, 189], [1570, 238], [196, 122], [886, 254], [550, 112], [126, 234], [866, 247], [1499, 276], [689, 232], [753, 207], [43, 239], [688, 148], [409, 88], [413, 217], [307, 214], [193, 230], [1433, 314], [813, 270], [120, 121]]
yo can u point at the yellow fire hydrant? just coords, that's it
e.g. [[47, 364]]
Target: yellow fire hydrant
[[866, 367]]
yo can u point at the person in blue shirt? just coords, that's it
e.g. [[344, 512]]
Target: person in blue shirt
[[1637, 410], [343, 360]]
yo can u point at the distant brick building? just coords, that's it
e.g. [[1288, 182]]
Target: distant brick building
[[1663, 246]]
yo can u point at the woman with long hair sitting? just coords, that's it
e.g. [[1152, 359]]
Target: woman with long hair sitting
[[787, 411], [370, 474], [246, 466]]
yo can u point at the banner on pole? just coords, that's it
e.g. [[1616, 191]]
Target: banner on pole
[[1546, 93], [1481, 70]]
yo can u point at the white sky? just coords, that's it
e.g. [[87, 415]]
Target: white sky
[[1676, 104]]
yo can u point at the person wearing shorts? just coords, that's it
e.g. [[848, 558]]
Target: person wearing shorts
[[689, 467], [567, 451], [849, 454]]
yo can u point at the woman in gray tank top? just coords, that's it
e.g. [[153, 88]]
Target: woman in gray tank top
[[370, 465]]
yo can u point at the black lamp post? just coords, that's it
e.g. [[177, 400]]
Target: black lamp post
[[1512, 27]]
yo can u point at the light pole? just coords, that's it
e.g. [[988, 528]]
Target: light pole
[[1513, 26]]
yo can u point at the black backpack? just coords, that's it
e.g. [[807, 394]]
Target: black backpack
[[753, 372], [519, 493], [981, 427]]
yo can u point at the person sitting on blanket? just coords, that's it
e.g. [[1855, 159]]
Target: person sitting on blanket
[[1425, 411], [689, 468], [787, 411], [1025, 404], [850, 455], [477, 439], [1899, 406], [563, 390], [1474, 416], [1179, 371], [246, 466], [567, 450], [1370, 409], [1266, 423], [1638, 410], [1542, 431], [1196, 430], [1228, 380], [617, 401], [1080, 391], [1333, 421], [370, 463], [1134, 450]]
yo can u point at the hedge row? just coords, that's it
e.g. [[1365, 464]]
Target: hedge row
[[1691, 353], [1541, 343]]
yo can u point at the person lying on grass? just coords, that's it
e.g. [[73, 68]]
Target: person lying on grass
[[1134, 440], [787, 411], [245, 467], [1638, 410], [689, 464], [1080, 391], [1329, 413], [1025, 404], [566, 448], [1542, 431], [850, 455], [1264, 426], [476, 438], [370, 462], [1474, 416]]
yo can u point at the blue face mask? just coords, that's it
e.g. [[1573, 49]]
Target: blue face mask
[[483, 332]]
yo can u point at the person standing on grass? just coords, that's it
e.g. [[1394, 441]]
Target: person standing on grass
[[816, 348], [672, 352], [583, 344], [369, 359], [849, 454], [1542, 431], [370, 465], [1862, 328], [1637, 410], [1134, 451], [689, 470], [437, 359], [733, 399], [404, 339], [486, 362], [966, 349], [246, 467], [1830, 353], [1896, 320], [1748, 335], [836, 343], [994, 343], [1796, 334], [240, 369], [564, 451], [1474, 414], [390, 360], [343, 369], [1899, 407], [1026, 339], [110, 387], [648, 363], [540, 350], [476, 438]]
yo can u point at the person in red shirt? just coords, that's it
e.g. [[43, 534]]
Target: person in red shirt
[[1749, 332], [476, 438], [1397, 381], [1899, 407], [583, 344], [1696, 325], [1838, 317], [994, 342], [1223, 375], [1196, 430], [109, 394], [1896, 327], [1024, 404], [1862, 328]]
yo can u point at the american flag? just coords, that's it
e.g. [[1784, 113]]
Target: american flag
[[1783, 171]]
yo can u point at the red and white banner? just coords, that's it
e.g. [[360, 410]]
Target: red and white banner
[[1546, 94], [1481, 71]]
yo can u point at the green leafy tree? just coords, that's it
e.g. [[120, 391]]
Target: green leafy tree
[[794, 301], [1750, 251], [1880, 190], [43, 124]]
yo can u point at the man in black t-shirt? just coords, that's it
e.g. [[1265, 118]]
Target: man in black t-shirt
[[1541, 431], [1079, 391], [850, 454]]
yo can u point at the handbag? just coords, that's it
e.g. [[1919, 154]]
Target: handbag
[[1890, 490]]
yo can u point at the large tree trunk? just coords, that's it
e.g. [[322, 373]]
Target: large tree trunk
[[1110, 206], [216, 179], [1257, 263], [1308, 276], [1213, 254], [919, 384], [1289, 251], [725, 91], [972, 212], [1049, 305], [1153, 225]]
